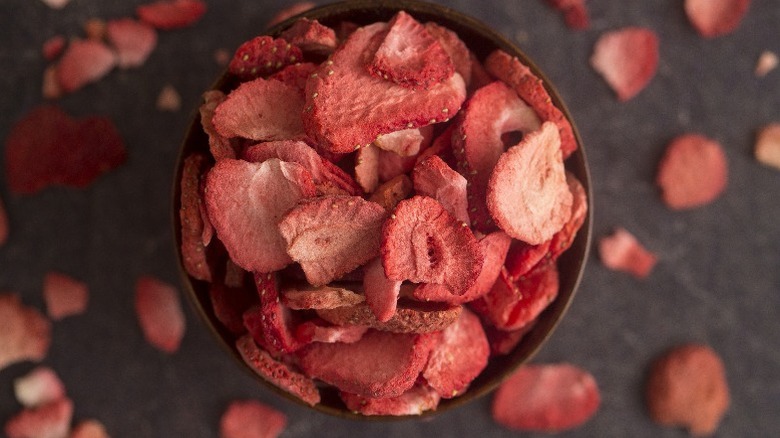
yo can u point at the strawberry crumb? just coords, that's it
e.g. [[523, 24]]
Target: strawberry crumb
[[168, 99], [38, 387], [64, 296], [767, 62]]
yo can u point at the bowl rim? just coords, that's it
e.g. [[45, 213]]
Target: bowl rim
[[550, 317]]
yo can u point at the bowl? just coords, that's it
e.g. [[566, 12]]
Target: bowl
[[482, 40]]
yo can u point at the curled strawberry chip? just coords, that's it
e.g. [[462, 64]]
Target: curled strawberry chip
[[390, 193], [251, 419], [409, 317], [323, 297], [64, 295], [271, 324], [575, 14], [49, 420], [434, 178], [25, 334], [132, 40], [262, 56], [523, 257], [38, 387], [159, 313], [564, 238], [622, 252], [683, 188], [171, 14], [627, 58], [311, 36], [83, 62], [412, 402], [766, 149], [381, 293], [713, 18]]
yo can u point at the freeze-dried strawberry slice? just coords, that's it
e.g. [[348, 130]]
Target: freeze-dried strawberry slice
[[332, 118], [245, 202], [513, 303], [527, 194], [693, 172], [193, 250], [220, 146], [83, 62], [49, 420], [262, 56], [459, 357], [579, 209], [332, 235], [89, 429], [261, 110], [406, 142], [323, 297], [25, 334], [64, 296], [367, 167], [410, 317], [229, 304], [277, 372], [53, 47], [622, 252], [311, 36], [434, 178], [291, 11], [159, 313], [276, 322], [424, 243], [546, 398], [251, 419], [318, 330], [389, 194], [3, 224], [455, 48], [522, 257], [574, 13], [296, 74], [410, 56], [713, 18], [412, 402], [171, 14], [38, 387], [627, 58], [381, 292], [133, 41], [766, 149], [396, 361]]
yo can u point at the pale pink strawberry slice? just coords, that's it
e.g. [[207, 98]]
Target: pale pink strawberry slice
[[766, 149], [171, 14], [25, 334], [311, 36], [159, 313], [389, 194], [38, 387], [621, 251], [434, 178], [713, 18], [424, 243], [766, 62], [330, 236], [132, 40], [459, 357], [291, 11], [575, 14], [319, 330], [627, 58], [410, 316], [546, 398], [83, 62], [323, 297], [245, 202], [193, 225], [49, 420], [53, 47], [229, 304], [455, 48], [262, 109], [296, 74], [64, 295], [415, 401], [367, 167], [381, 293], [406, 142], [693, 172], [56, 4], [89, 429], [262, 56], [527, 195], [251, 419], [4, 228], [277, 373], [333, 119], [395, 362]]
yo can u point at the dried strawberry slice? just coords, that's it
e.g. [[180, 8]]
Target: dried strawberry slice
[[251, 419], [229, 304], [627, 58], [766, 149], [410, 317], [83, 62], [219, 145], [332, 235], [434, 178], [406, 142], [390, 165], [296, 74], [318, 330], [767, 62], [291, 11], [424, 243], [276, 322], [575, 14], [171, 14], [622, 252], [503, 342], [38, 387], [683, 188], [441, 146], [456, 49], [367, 167], [159, 313], [546, 398], [389, 194], [133, 41], [338, 125], [311, 36], [64, 296], [396, 361], [49, 420], [713, 18], [381, 293], [323, 297], [193, 250], [89, 429], [168, 99], [522, 257], [262, 56], [25, 334], [277, 373], [412, 402], [245, 202], [3, 224], [579, 209]]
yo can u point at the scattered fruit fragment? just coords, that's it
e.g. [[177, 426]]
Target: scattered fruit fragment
[[622, 252], [687, 387], [53, 47], [767, 62], [56, 4], [767, 148], [48, 420], [627, 58], [25, 334], [168, 99], [95, 29], [159, 313], [89, 429], [64, 296], [132, 40], [171, 14], [83, 62], [38, 387], [693, 172], [713, 18], [251, 419], [412, 402], [575, 14]]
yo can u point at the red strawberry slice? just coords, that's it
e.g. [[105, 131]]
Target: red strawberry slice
[[271, 324], [459, 357], [367, 167], [229, 304], [410, 56], [575, 14], [622, 252], [261, 110], [89, 429], [193, 249], [159, 313], [64, 296], [406, 142], [332, 235], [311, 36], [456, 49], [53, 47], [381, 292], [245, 202], [83, 62], [380, 364], [25, 334], [3, 224], [49, 420], [318, 330], [171, 14], [546, 398], [38, 387], [579, 209], [410, 317], [262, 56], [527, 195], [332, 118], [323, 297], [296, 74], [412, 402], [766, 149], [424, 243], [627, 58], [685, 187], [434, 178], [291, 11], [522, 257], [713, 18], [133, 41], [277, 373], [389, 194], [251, 419], [220, 146]]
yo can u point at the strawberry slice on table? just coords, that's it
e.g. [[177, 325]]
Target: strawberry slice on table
[[133, 41], [621, 251], [713, 18], [25, 334], [323, 297], [159, 313], [332, 118], [38, 387], [64, 295], [311, 36], [410, 317], [381, 293], [627, 58], [89, 429], [251, 419], [434, 178], [171, 14], [193, 250], [49, 420], [83, 62], [245, 202], [575, 14], [415, 401], [262, 56], [683, 188]]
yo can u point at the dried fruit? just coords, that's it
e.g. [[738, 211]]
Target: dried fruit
[[25, 334], [3, 224], [381, 293], [171, 14], [389, 194], [410, 317], [713, 18], [53, 47], [64, 296], [193, 250], [89, 429], [83, 62], [767, 148], [311, 36], [318, 330], [251, 419], [38, 387], [575, 14], [132, 40], [159, 313], [767, 62], [693, 172], [627, 58], [49, 420], [219, 145], [434, 178], [275, 329], [456, 49], [262, 56], [412, 402], [323, 297], [168, 99], [622, 252]]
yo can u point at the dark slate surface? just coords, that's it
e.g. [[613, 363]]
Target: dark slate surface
[[717, 280]]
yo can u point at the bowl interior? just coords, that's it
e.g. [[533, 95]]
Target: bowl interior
[[482, 41]]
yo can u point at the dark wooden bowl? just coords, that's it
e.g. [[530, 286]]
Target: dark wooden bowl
[[482, 41]]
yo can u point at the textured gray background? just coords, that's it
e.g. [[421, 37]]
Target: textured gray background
[[717, 280]]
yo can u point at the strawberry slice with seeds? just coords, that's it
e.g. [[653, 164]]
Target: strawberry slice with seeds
[[323, 297], [159, 313], [251, 419], [381, 293], [229, 304], [276, 322], [25, 334], [332, 235], [575, 14], [219, 145], [49, 420], [713, 18], [415, 401], [332, 118], [64, 296], [296, 74], [683, 188], [318, 330], [311, 36], [262, 56], [277, 373], [245, 202], [434, 178], [766, 149], [133, 41], [456, 49], [424, 243], [389, 194], [38, 387], [627, 58], [171, 14], [84, 62], [193, 249], [546, 398], [410, 317], [622, 252]]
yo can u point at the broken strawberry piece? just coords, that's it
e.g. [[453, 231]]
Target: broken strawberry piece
[[318, 330], [323, 297], [291, 11], [522, 257], [84, 62], [229, 304], [253, 111], [38, 387], [381, 293], [338, 125], [766, 149], [622, 252], [367, 167], [441, 146], [245, 202], [713, 18], [262, 56], [89, 429], [396, 359], [406, 142], [410, 317], [564, 238], [276, 322], [53, 47], [193, 250], [159, 313], [330, 236], [95, 29], [434, 178], [683, 188], [424, 243], [527, 194], [390, 165], [219, 145], [251, 419], [171, 14], [296, 74], [456, 49], [49, 420], [133, 41], [503, 342], [277, 373], [513, 303], [3, 224], [459, 357], [546, 398], [575, 14], [389, 194], [627, 58], [412, 402], [311, 36], [25, 334], [64, 296], [168, 99]]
